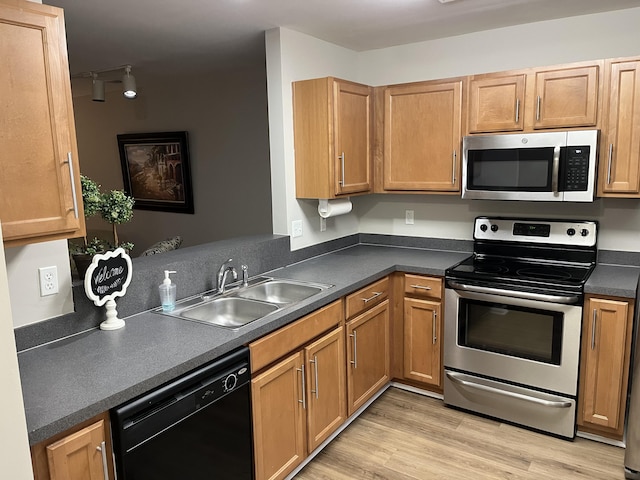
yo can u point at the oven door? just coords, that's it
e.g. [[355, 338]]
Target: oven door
[[522, 341]]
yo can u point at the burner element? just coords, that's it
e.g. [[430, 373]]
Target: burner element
[[543, 273]]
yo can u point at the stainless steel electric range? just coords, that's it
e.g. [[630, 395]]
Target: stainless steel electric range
[[513, 321]]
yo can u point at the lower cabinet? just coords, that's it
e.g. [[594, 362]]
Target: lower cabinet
[[83, 453], [367, 355], [299, 401], [279, 427], [604, 369], [422, 345], [422, 330]]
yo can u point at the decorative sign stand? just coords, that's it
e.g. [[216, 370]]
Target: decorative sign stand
[[108, 277]]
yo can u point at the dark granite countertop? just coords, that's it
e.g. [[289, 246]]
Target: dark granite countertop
[[68, 381], [614, 280]]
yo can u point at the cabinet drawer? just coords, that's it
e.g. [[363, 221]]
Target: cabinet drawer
[[289, 338], [423, 286], [366, 297]]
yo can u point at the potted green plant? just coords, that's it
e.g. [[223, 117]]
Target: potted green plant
[[115, 207]]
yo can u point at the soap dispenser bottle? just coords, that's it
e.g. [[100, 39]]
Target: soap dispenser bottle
[[168, 292]]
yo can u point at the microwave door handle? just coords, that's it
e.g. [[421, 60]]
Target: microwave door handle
[[556, 170]]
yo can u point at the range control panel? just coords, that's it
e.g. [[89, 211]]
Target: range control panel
[[556, 232]]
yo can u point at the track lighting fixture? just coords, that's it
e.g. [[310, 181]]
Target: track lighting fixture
[[128, 81], [97, 89]]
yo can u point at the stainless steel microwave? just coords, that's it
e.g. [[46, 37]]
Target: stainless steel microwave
[[548, 166]]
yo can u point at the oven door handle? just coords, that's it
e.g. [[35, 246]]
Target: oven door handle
[[566, 299], [520, 396]]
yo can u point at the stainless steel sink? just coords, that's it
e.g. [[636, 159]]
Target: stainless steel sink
[[280, 291], [231, 312], [242, 305]]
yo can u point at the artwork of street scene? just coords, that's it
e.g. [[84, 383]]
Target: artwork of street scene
[[156, 172]]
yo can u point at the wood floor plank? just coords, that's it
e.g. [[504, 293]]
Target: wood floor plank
[[406, 436]]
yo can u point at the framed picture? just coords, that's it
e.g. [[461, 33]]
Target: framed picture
[[155, 170]]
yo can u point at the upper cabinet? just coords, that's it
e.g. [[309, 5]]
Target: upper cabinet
[[39, 179], [565, 96], [496, 103], [619, 174], [422, 137], [333, 137]]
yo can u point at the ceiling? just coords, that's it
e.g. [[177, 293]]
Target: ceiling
[[164, 35]]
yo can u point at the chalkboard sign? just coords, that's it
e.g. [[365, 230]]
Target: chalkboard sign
[[108, 276]]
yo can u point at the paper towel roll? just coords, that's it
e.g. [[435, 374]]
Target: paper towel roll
[[331, 208]]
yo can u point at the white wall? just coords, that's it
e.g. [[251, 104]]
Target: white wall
[[294, 56], [24, 285], [15, 458], [613, 34]]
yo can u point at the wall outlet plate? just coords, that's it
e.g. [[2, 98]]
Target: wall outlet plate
[[48, 280], [408, 217], [296, 228]]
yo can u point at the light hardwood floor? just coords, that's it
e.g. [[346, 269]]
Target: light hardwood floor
[[407, 436]]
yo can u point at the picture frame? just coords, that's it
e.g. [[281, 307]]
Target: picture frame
[[156, 170]]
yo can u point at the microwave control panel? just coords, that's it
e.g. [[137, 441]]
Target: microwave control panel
[[575, 173]]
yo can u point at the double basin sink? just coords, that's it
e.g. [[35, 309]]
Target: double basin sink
[[244, 304]]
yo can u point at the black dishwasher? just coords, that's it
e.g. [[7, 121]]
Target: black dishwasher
[[196, 427]]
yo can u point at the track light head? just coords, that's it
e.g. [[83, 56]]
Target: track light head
[[97, 89], [129, 83]]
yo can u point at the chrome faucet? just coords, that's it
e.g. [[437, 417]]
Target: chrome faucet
[[221, 278]]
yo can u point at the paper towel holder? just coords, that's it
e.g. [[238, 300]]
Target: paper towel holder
[[334, 207]]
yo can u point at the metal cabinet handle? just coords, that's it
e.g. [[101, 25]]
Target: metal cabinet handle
[[610, 163], [453, 173], [420, 287], [538, 108], [304, 396], [102, 448], [593, 329], [435, 319], [341, 157], [527, 398], [315, 367], [517, 110], [73, 184], [354, 362], [374, 296]]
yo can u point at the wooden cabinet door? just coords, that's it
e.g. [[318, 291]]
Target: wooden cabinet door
[[604, 359], [332, 130], [279, 404], [496, 104], [79, 455], [39, 179], [566, 97], [326, 387], [422, 135], [422, 341], [367, 355], [353, 143], [620, 154]]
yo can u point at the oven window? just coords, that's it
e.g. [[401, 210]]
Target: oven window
[[509, 330], [510, 169]]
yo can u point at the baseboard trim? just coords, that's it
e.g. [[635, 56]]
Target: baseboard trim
[[342, 427]]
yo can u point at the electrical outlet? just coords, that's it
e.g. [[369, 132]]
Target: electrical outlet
[[296, 228], [48, 280], [408, 217]]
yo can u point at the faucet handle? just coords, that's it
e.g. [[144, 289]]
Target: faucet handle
[[245, 275]]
